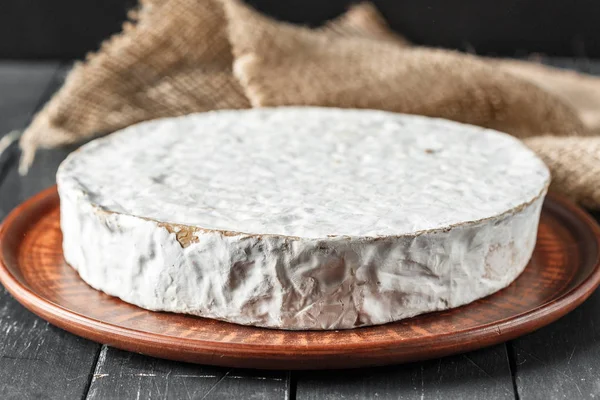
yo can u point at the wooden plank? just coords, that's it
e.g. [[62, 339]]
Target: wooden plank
[[123, 375], [21, 87], [37, 360], [15, 188], [18, 101], [561, 360], [482, 374]]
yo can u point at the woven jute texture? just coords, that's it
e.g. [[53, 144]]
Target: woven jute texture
[[176, 57]]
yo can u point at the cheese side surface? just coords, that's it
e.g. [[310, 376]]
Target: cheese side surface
[[299, 217]]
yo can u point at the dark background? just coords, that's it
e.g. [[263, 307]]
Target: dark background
[[67, 29]]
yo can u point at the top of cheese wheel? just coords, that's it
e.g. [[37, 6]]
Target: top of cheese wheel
[[307, 172]]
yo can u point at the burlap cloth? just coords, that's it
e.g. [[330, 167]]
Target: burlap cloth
[[176, 57]]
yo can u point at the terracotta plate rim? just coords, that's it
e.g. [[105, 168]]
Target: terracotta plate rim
[[479, 336]]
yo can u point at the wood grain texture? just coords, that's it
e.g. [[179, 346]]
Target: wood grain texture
[[14, 188], [562, 360], [563, 271], [37, 360], [124, 375], [482, 374], [22, 87]]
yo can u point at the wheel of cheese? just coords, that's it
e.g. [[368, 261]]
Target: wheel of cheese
[[301, 218]]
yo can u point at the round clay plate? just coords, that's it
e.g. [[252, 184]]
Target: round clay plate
[[563, 272]]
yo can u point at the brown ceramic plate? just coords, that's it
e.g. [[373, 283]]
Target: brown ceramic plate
[[563, 272]]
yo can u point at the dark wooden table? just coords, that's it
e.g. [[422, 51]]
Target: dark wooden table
[[37, 360]]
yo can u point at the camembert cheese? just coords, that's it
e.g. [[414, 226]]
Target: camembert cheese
[[299, 217]]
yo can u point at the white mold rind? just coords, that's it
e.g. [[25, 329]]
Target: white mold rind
[[284, 281]]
